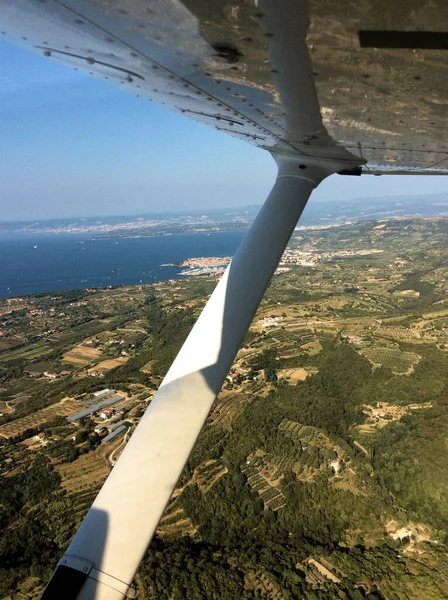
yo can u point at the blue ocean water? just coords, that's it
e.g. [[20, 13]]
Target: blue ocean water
[[30, 264]]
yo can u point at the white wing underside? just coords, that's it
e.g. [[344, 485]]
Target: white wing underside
[[294, 80]]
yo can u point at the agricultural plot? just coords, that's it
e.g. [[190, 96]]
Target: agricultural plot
[[63, 408], [16, 357], [311, 440], [292, 376], [83, 500], [283, 335], [436, 314], [369, 428], [391, 358], [88, 471], [262, 586], [227, 408], [264, 473], [304, 336], [108, 364], [207, 474], [147, 368], [80, 356], [312, 348], [305, 434], [10, 342], [326, 335], [82, 331], [175, 522], [398, 333], [38, 368]]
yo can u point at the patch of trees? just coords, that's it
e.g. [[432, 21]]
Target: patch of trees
[[410, 459], [28, 488], [63, 450], [426, 290]]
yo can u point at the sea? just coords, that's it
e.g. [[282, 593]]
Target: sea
[[31, 264]]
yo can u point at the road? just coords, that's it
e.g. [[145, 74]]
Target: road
[[358, 445], [111, 456]]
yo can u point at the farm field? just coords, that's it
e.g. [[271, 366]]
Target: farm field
[[264, 474], [89, 471], [108, 364], [392, 358], [66, 407], [293, 375], [15, 357], [226, 408], [81, 356]]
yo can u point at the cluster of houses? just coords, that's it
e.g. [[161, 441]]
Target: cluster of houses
[[40, 437], [108, 413], [234, 377], [272, 321]]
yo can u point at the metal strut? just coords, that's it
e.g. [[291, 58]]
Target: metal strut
[[110, 543]]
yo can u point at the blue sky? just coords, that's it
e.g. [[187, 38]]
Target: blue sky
[[74, 146]]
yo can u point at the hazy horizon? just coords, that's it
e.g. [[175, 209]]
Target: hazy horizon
[[192, 211]]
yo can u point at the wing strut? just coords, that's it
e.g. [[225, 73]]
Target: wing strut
[[108, 547]]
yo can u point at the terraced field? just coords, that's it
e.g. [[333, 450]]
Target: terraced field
[[305, 434], [66, 407], [264, 473], [392, 358], [283, 335], [175, 522], [83, 500], [262, 585], [398, 333], [207, 474], [88, 471], [227, 408]]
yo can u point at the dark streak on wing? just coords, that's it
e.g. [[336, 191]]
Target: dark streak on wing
[[422, 40]]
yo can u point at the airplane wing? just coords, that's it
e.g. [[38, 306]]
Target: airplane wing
[[326, 87], [372, 91]]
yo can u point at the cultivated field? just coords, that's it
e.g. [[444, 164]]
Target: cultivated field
[[391, 358], [227, 408], [292, 375], [66, 407], [89, 470], [264, 473], [80, 356], [108, 364], [207, 474], [305, 434], [16, 357]]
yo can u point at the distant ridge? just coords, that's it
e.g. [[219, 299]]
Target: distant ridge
[[319, 212]]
